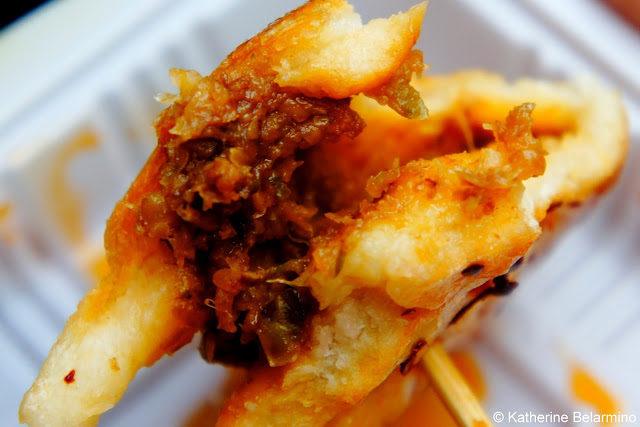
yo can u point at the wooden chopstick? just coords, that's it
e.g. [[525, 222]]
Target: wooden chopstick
[[453, 389]]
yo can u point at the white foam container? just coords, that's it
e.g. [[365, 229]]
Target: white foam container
[[96, 66]]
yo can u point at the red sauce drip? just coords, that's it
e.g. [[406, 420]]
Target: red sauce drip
[[70, 377]]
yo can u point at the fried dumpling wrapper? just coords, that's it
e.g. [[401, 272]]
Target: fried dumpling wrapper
[[471, 214], [418, 212], [151, 304]]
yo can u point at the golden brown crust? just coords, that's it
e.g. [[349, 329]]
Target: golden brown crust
[[430, 220], [465, 197], [406, 247], [387, 403], [324, 62], [330, 68], [149, 306], [337, 371], [581, 123], [132, 318], [563, 112]]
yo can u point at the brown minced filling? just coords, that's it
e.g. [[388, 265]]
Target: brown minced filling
[[230, 206], [236, 204]]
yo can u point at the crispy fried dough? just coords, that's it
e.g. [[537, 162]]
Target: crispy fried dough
[[408, 248], [580, 125], [150, 306], [411, 239], [573, 121], [388, 402], [416, 231]]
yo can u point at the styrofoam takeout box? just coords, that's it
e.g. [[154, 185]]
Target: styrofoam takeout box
[[90, 70]]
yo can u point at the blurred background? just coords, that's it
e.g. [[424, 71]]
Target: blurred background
[[11, 14], [78, 81]]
